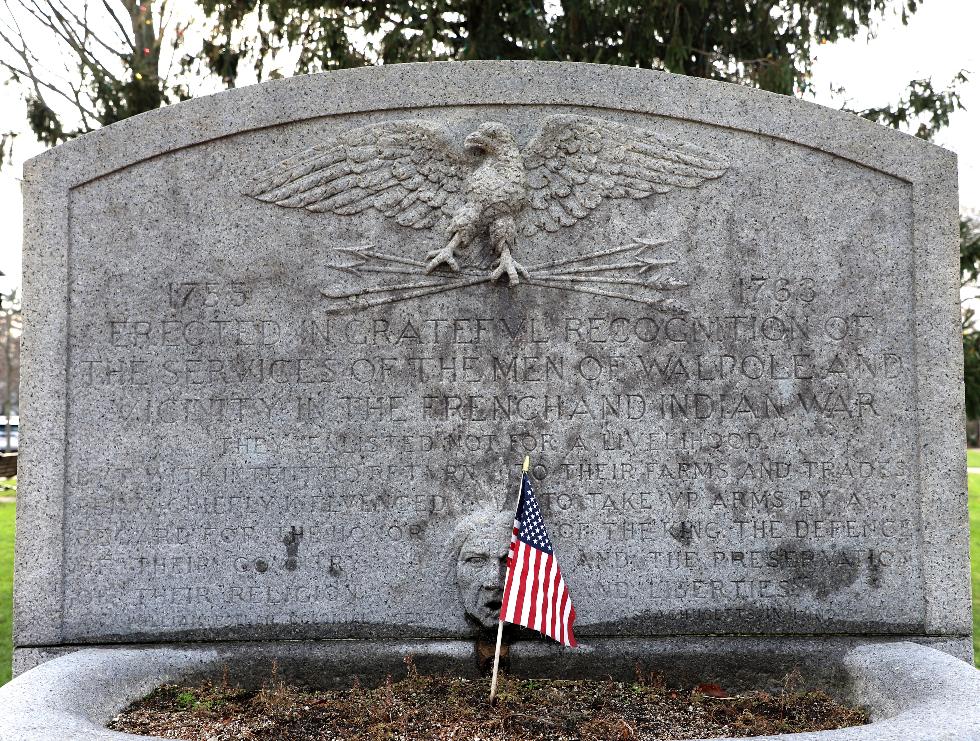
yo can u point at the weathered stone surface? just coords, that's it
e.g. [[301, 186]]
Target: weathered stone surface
[[913, 692], [734, 359]]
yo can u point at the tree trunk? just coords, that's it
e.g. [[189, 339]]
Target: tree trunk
[[146, 94]]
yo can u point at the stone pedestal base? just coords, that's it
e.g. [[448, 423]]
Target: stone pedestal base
[[913, 691]]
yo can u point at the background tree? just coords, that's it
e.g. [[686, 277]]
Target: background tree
[[969, 272], [130, 56], [768, 44], [11, 326], [85, 64], [922, 105]]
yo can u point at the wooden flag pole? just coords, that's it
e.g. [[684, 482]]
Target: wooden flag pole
[[500, 622], [496, 661]]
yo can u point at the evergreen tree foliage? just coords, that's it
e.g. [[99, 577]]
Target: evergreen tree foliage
[[969, 272], [131, 56], [766, 43]]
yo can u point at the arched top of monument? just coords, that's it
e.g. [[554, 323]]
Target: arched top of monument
[[446, 84]]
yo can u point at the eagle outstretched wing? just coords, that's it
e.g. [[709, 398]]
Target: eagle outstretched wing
[[575, 162], [407, 170]]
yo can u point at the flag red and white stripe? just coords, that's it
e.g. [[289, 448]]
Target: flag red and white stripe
[[535, 594]]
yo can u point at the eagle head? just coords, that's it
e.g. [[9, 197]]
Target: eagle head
[[490, 138]]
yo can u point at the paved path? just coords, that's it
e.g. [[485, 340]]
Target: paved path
[[8, 500], [972, 470]]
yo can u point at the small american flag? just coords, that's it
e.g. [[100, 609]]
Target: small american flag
[[535, 594]]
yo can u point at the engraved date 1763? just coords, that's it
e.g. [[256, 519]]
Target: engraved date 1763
[[753, 289]]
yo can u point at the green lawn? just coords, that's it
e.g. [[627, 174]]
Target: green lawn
[[974, 488], [6, 586], [973, 457]]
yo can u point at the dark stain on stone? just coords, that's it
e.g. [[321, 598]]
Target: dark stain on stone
[[682, 532], [485, 648], [874, 571], [291, 541], [834, 571], [261, 565]]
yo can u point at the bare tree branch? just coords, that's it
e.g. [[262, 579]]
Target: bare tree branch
[[125, 33], [44, 19], [87, 27], [23, 54], [63, 29], [38, 82]]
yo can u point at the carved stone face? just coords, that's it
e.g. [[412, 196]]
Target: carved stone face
[[480, 569]]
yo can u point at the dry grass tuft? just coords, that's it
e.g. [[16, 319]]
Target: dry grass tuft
[[423, 707]]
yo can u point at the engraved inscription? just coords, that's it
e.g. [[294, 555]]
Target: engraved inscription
[[283, 424]]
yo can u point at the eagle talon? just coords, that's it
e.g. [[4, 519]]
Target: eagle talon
[[510, 266], [439, 257]]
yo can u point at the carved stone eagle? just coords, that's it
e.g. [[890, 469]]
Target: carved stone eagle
[[412, 172]]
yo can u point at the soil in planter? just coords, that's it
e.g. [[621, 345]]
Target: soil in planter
[[422, 707]]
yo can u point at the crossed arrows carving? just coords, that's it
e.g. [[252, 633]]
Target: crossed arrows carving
[[630, 273]]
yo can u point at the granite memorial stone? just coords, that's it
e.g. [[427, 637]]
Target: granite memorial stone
[[286, 348]]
